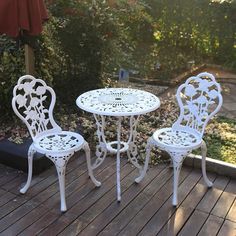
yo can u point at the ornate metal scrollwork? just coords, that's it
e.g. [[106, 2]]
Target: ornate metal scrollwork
[[133, 150], [101, 150]]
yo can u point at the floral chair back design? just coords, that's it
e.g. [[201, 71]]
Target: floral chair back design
[[33, 102], [199, 99]]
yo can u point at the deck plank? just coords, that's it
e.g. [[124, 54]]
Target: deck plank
[[31, 201], [108, 200], [194, 223], [160, 218], [15, 183], [142, 192], [5, 197], [185, 209], [86, 203], [232, 212], [39, 184], [213, 194], [50, 199], [228, 229], [72, 199], [189, 193], [9, 176], [131, 221], [211, 226], [145, 208], [225, 201]]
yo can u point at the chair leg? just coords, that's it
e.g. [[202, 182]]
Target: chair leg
[[61, 177], [177, 160], [90, 170], [149, 146], [31, 152], [204, 151], [177, 167]]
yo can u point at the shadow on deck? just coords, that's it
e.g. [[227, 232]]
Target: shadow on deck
[[145, 208]]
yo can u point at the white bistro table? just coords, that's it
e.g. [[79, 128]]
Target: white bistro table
[[119, 103]]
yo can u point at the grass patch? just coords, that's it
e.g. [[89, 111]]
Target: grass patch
[[220, 138]]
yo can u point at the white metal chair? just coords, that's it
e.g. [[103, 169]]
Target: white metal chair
[[199, 98], [33, 102]]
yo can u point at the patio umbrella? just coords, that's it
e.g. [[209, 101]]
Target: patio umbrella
[[23, 17]]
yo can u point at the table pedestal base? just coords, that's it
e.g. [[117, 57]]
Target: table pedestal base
[[117, 147]]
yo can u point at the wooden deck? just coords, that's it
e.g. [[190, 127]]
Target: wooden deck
[[145, 208]]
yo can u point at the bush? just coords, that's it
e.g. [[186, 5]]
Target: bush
[[86, 42], [12, 64], [11, 67]]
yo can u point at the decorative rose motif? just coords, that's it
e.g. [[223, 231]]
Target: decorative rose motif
[[213, 94], [192, 106], [40, 90], [204, 85], [190, 90], [197, 101], [34, 102], [33, 115], [202, 100], [28, 87], [21, 100]]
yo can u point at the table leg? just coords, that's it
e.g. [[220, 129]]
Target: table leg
[[118, 159], [101, 150], [102, 147], [132, 152]]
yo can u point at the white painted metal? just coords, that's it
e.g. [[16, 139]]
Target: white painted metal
[[199, 98], [118, 103], [118, 159], [33, 102]]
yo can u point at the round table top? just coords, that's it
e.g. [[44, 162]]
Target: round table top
[[118, 102]]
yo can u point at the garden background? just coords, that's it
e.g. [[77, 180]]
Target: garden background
[[85, 43]]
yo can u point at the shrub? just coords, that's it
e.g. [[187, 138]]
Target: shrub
[[11, 67], [86, 42]]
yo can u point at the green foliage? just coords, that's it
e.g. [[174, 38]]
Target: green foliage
[[199, 30], [96, 40], [86, 42], [11, 66], [221, 139], [80, 46]]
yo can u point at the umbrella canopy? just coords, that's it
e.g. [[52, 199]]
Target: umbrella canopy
[[22, 16]]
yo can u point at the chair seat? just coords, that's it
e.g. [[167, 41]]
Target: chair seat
[[59, 143], [176, 139]]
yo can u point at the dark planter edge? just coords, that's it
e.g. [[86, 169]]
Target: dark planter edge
[[212, 165], [16, 156]]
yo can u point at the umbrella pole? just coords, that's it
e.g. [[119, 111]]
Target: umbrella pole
[[29, 60]]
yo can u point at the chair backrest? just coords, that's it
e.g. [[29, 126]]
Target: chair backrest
[[199, 99], [33, 102]]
